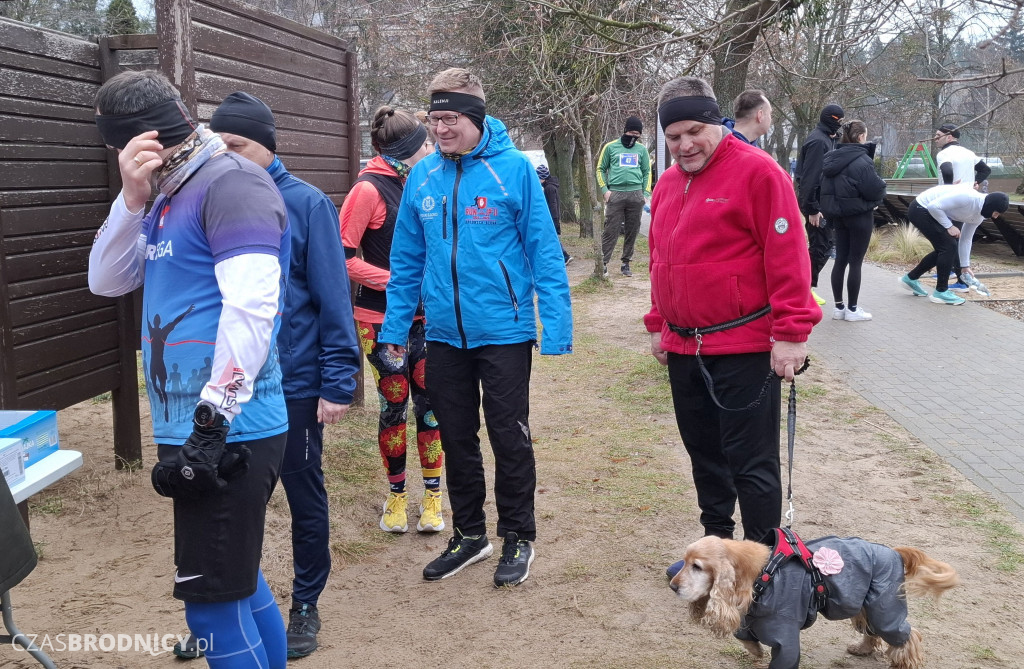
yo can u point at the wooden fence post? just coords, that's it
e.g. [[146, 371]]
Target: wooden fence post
[[174, 47], [125, 397]]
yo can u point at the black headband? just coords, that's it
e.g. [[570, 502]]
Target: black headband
[[690, 108], [408, 145], [464, 103], [169, 118]]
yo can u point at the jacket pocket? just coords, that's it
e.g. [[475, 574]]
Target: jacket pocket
[[511, 291]]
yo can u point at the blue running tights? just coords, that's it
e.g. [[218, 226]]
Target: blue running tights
[[244, 634]]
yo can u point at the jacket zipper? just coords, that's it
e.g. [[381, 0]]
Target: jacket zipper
[[455, 247], [511, 293]]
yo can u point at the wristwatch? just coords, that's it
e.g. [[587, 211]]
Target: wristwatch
[[205, 415]]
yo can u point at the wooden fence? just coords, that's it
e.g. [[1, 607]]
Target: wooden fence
[[59, 343]]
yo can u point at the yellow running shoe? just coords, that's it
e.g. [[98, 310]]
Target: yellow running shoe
[[395, 518], [817, 298], [430, 512]]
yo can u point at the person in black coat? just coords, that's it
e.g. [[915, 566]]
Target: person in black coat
[[813, 151], [550, 183], [850, 191]]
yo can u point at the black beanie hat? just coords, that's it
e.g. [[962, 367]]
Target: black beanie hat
[[995, 202], [248, 116], [633, 124], [950, 129]]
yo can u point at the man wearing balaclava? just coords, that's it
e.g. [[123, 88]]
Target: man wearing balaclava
[[318, 349], [624, 177], [933, 213], [812, 154], [213, 255]]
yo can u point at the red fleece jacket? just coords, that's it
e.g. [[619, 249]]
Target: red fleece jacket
[[725, 242]]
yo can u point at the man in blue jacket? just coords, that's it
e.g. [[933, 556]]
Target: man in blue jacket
[[475, 238], [318, 348]]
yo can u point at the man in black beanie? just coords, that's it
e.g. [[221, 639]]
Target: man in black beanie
[[318, 349], [812, 154], [624, 176]]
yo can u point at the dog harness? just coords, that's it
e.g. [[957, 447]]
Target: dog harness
[[789, 545]]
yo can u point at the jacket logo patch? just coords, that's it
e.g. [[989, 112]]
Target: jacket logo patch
[[719, 200], [781, 225], [428, 203], [481, 213]]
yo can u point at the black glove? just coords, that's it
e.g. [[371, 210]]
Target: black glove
[[196, 469]]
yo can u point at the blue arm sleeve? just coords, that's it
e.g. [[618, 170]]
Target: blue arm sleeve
[[329, 291]]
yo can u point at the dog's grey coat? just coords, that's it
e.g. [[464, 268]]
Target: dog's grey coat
[[871, 580]]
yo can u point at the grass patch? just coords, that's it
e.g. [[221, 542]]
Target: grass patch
[[589, 286], [52, 504], [901, 244], [642, 385], [985, 517], [983, 653]]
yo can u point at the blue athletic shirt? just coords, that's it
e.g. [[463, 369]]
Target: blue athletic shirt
[[229, 207]]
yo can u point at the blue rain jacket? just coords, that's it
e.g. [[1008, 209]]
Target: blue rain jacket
[[475, 237]]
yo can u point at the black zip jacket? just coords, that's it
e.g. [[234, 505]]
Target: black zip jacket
[[849, 183], [813, 151]]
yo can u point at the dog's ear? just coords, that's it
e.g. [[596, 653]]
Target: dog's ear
[[722, 613], [697, 609]]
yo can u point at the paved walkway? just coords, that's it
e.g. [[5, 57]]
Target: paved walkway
[[952, 376]]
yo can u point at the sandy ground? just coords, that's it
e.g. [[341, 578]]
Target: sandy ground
[[597, 594]]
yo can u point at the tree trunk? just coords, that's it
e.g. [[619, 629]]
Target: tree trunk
[[592, 129], [732, 54], [559, 149], [584, 192]]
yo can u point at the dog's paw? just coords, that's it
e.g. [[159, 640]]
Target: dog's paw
[[754, 649], [866, 646]]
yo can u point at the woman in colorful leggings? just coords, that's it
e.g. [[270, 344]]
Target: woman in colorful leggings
[[368, 222]]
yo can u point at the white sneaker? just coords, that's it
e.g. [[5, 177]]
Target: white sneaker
[[859, 315], [976, 286], [839, 314]]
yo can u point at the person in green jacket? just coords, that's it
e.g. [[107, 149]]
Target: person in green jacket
[[624, 177]]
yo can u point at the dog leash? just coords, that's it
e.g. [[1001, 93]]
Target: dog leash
[[697, 334], [791, 439], [709, 382]]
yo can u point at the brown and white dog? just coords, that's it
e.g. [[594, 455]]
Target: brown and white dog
[[865, 582]]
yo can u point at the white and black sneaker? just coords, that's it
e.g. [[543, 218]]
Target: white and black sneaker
[[516, 558], [461, 552]]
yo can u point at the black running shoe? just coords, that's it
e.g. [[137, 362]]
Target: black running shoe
[[188, 648], [461, 552], [303, 626], [516, 558], [625, 269]]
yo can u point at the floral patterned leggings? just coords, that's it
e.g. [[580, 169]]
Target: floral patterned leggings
[[395, 376]]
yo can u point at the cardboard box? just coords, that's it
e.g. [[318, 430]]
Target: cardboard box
[[37, 431], [12, 461]]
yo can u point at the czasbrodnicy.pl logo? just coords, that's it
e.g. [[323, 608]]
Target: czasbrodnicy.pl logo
[[152, 643]]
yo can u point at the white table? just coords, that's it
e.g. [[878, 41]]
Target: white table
[[47, 471]]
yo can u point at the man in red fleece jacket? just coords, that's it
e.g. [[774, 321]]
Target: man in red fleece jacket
[[727, 245]]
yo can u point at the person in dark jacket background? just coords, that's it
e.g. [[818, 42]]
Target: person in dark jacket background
[[850, 191], [812, 153], [550, 183], [318, 348]]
